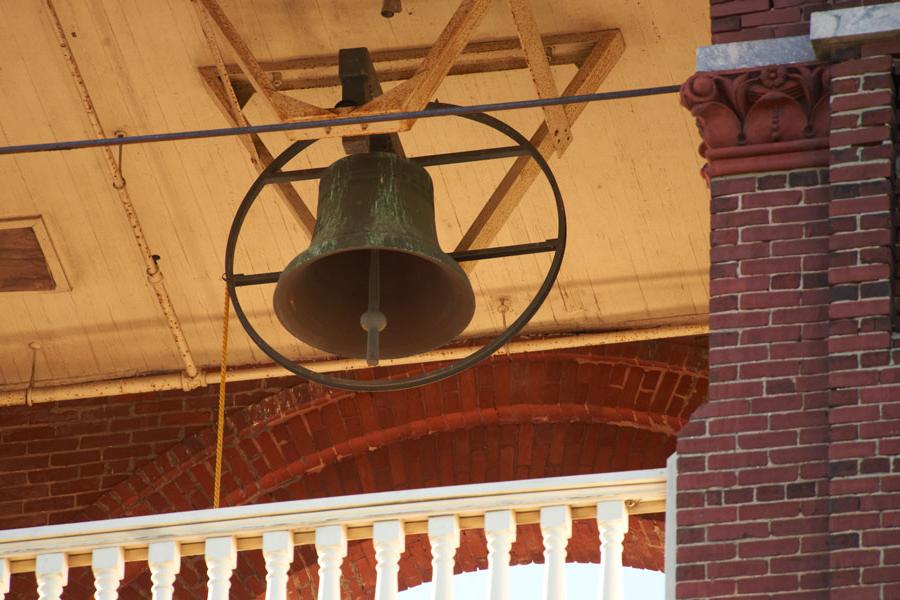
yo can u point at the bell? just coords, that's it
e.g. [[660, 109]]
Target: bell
[[374, 283]]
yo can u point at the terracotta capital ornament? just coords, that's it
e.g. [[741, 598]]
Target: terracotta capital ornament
[[770, 119]]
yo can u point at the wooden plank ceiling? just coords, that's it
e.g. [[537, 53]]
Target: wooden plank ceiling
[[638, 248]]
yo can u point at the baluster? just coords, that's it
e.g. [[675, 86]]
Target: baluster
[[671, 532], [4, 577], [612, 521], [331, 545], [556, 526], [221, 559], [278, 550], [389, 540], [108, 565], [52, 573], [164, 559], [500, 531], [443, 534]]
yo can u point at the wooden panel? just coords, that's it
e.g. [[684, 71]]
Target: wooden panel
[[638, 214], [22, 263]]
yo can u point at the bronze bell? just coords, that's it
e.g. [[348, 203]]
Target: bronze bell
[[374, 282]]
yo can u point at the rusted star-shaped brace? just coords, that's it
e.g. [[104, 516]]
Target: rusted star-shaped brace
[[421, 72]]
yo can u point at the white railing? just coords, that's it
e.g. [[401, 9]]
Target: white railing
[[328, 523]]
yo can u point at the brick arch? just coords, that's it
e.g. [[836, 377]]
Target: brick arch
[[308, 441]]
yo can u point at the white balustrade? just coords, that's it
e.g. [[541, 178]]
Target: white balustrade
[[385, 518], [500, 532], [221, 559], [389, 540], [556, 527], [331, 546], [443, 534], [4, 577], [671, 524], [164, 559], [612, 523], [52, 574], [278, 551], [108, 566]]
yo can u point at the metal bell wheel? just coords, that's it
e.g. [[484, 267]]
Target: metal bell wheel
[[374, 283]]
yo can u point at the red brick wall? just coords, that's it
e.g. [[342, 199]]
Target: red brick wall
[[535, 415], [864, 360], [789, 479], [57, 459], [741, 20], [753, 466]]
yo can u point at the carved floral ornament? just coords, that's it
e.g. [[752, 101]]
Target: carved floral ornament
[[768, 119]]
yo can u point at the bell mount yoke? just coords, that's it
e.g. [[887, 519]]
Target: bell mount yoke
[[274, 174], [359, 84]]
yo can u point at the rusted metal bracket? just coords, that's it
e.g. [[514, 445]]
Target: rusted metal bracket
[[413, 94], [285, 107], [554, 116], [231, 105], [361, 97], [418, 90], [504, 54], [522, 174], [260, 156]]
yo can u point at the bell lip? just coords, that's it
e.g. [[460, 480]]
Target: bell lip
[[452, 267], [370, 240]]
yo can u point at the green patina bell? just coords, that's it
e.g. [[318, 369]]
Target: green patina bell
[[374, 282]]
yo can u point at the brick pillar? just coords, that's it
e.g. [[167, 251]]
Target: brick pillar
[[753, 469], [864, 378], [788, 482]]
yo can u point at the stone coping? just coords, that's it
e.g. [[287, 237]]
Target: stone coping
[[828, 30]]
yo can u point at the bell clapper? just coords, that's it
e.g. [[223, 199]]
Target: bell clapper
[[373, 320]]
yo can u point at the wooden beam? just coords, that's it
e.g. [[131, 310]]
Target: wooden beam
[[284, 106], [417, 91], [554, 116], [260, 156], [504, 54], [522, 174]]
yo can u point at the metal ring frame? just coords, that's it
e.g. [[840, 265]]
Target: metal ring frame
[[265, 178]]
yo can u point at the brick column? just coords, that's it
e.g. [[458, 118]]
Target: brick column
[[789, 481], [753, 472], [864, 403], [752, 494]]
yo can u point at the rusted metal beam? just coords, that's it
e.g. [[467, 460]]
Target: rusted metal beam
[[417, 91], [505, 54], [220, 87], [522, 174], [224, 94], [260, 156], [554, 116], [284, 106]]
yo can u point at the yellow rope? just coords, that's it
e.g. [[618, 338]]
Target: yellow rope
[[220, 428]]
